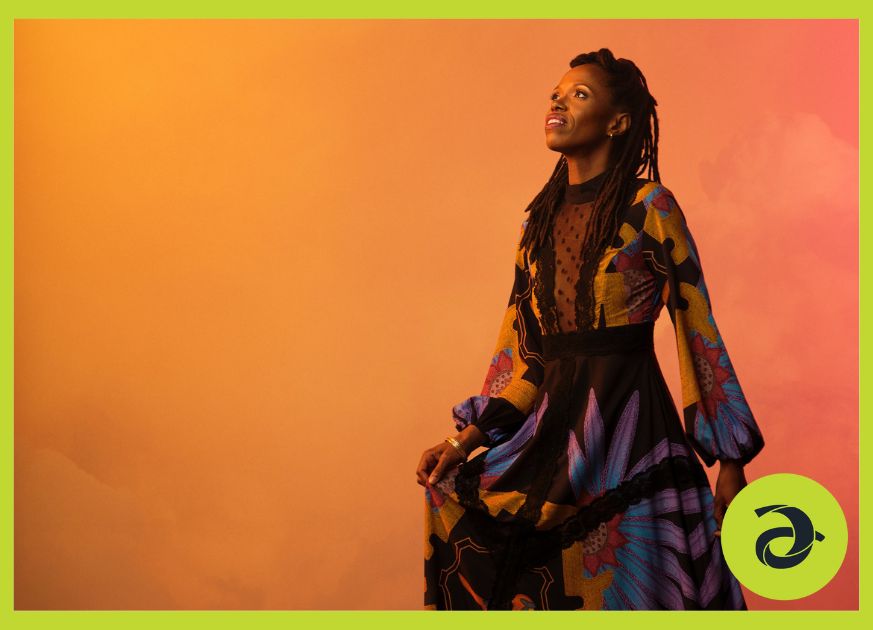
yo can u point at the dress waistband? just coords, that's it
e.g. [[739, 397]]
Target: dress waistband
[[608, 340]]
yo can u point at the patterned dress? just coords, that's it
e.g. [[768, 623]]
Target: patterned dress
[[590, 494]]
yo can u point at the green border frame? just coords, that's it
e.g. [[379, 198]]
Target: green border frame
[[381, 9]]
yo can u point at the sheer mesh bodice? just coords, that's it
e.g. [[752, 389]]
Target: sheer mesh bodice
[[567, 235], [564, 296]]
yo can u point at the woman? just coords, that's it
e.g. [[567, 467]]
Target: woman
[[590, 495]]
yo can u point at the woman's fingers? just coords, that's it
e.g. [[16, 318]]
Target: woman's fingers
[[437, 471], [448, 459], [424, 466], [421, 471], [434, 463], [428, 460]]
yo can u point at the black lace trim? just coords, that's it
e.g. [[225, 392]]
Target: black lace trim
[[544, 286], [585, 283], [679, 471], [467, 483]]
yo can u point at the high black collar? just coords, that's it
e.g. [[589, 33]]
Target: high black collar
[[584, 191]]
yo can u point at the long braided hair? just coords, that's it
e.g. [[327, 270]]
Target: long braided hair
[[630, 154]]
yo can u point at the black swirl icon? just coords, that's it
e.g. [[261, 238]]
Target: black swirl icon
[[801, 531]]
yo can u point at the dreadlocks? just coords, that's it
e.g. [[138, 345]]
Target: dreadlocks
[[629, 156]]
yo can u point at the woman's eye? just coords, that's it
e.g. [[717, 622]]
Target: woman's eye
[[554, 94]]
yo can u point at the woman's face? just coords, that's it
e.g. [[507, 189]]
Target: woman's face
[[583, 103]]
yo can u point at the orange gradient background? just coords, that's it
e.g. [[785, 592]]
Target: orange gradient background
[[257, 262]]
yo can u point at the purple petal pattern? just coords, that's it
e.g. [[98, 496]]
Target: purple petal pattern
[[643, 557]]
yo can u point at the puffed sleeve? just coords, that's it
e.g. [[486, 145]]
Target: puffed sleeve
[[516, 368], [718, 421]]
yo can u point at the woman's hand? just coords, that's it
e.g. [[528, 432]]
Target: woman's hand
[[731, 479], [435, 461], [438, 459]]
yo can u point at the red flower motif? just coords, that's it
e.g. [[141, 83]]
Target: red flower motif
[[625, 261], [634, 275], [661, 201], [600, 544], [710, 374], [499, 373]]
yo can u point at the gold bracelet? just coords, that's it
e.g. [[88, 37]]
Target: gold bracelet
[[458, 447]]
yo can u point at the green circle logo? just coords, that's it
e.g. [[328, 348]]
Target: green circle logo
[[784, 536]]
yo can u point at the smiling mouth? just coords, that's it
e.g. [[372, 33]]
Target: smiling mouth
[[553, 122]]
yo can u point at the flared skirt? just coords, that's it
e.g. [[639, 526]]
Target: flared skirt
[[597, 501]]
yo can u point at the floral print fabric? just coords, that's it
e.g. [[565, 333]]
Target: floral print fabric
[[590, 494]]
